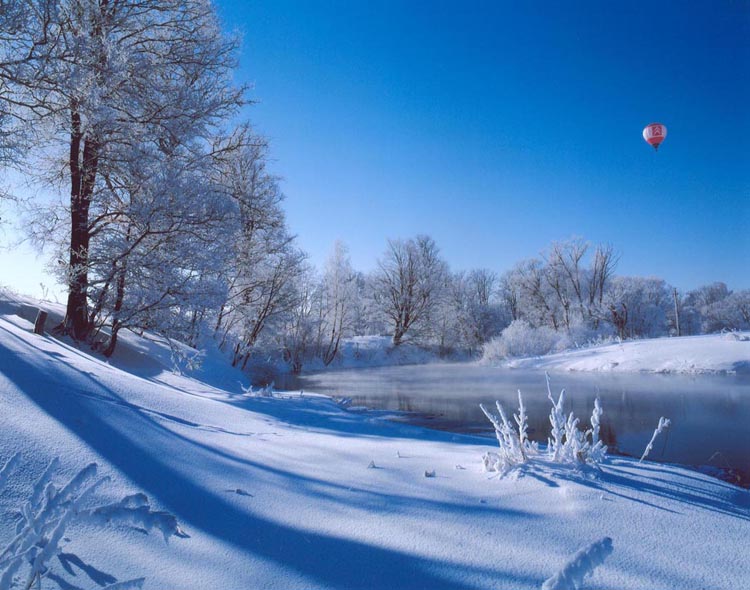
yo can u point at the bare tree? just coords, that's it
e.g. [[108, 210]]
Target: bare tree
[[338, 302], [477, 315], [579, 289], [564, 274], [639, 307], [297, 325], [262, 260], [539, 305], [408, 282], [602, 270], [561, 290]]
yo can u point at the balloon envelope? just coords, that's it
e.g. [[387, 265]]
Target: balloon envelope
[[654, 134]]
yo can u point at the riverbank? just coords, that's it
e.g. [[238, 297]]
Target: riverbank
[[292, 491], [727, 353]]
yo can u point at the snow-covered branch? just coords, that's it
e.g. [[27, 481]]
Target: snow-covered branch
[[52, 510], [582, 564], [663, 424]]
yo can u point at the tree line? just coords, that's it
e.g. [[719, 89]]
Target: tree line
[[569, 296], [165, 216]]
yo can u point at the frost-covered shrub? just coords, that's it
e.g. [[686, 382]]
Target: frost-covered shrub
[[584, 336], [52, 509], [520, 339], [515, 446], [263, 391], [567, 442]]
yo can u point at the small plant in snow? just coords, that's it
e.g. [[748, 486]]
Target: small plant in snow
[[582, 564], [52, 509], [557, 420], [263, 391], [567, 443], [598, 451], [514, 444], [663, 423]]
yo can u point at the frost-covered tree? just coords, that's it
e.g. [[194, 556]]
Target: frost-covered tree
[[408, 283], [639, 307], [477, 314], [272, 294], [535, 300], [509, 293], [154, 265], [297, 327], [579, 289], [105, 83], [263, 261], [564, 289], [730, 313], [713, 308], [13, 134], [338, 302]]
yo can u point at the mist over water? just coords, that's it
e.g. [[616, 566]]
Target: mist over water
[[710, 414]]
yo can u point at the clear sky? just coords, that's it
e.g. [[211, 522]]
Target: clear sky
[[498, 127]]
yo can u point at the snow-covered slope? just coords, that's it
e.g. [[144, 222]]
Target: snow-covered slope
[[716, 353], [277, 493]]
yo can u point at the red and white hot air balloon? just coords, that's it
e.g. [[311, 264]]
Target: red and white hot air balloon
[[654, 134]]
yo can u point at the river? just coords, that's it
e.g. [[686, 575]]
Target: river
[[710, 414]]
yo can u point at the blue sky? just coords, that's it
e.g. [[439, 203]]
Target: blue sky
[[498, 127]]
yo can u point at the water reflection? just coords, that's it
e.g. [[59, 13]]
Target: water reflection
[[709, 414]]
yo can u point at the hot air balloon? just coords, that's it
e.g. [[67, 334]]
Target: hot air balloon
[[654, 134]]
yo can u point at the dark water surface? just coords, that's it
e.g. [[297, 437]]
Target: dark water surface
[[710, 414]]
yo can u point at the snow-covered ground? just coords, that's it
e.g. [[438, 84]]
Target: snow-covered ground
[[279, 493], [727, 353], [717, 353]]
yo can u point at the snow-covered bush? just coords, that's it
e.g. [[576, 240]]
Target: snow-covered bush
[[514, 443], [520, 339], [582, 336], [566, 444], [569, 444], [52, 509], [263, 391]]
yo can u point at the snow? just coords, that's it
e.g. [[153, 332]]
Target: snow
[[727, 353], [275, 492], [581, 565]]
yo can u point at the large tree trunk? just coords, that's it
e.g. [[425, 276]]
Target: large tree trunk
[[82, 187], [82, 177]]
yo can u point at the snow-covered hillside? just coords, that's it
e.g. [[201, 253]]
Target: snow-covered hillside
[[717, 353], [295, 492]]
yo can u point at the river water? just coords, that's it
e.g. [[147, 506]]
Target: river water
[[710, 414]]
